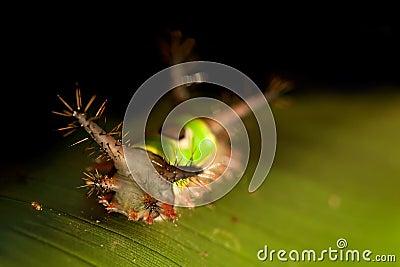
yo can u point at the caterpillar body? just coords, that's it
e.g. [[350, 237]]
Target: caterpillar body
[[116, 189], [166, 171]]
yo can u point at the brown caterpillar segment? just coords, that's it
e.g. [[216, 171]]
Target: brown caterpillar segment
[[106, 141], [170, 172], [102, 184], [112, 147]]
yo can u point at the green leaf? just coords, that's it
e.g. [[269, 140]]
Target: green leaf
[[336, 175]]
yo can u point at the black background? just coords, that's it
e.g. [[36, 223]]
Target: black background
[[112, 51]]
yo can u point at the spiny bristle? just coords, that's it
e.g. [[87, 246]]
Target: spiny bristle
[[92, 153], [101, 110], [62, 114], [65, 103], [80, 141], [191, 159], [97, 182], [91, 176], [78, 99], [70, 126], [89, 103], [103, 156], [68, 133], [91, 180], [70, 112], [124, 137], [200, 182], [115, 130], [117, 127], [114, 133]]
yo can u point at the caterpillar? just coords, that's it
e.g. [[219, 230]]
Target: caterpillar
[[117, 187]]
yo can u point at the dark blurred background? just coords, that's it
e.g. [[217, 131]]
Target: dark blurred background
[[111, 53]]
